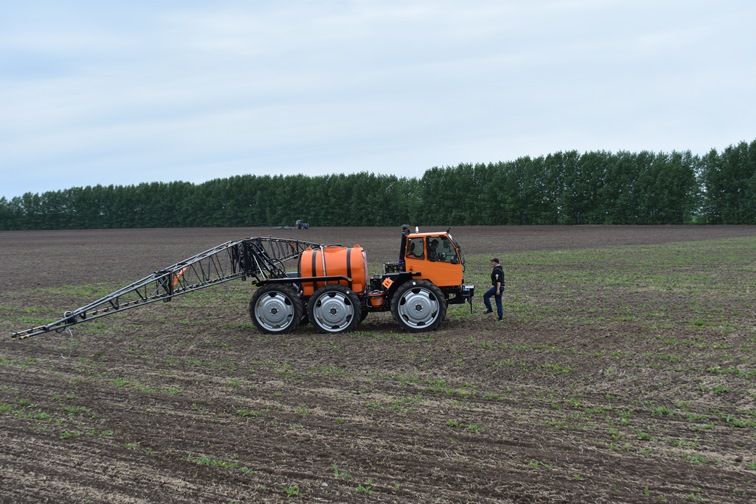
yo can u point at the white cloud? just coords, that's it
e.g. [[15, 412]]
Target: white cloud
[[191, 91]]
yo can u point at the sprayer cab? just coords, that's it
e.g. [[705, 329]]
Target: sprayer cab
[[427, 278], [435, 257]]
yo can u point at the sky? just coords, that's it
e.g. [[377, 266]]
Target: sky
[[95, 92]]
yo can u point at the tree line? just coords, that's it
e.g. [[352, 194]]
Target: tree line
[[563, 188]]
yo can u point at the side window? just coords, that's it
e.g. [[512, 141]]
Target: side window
[[415, 248]]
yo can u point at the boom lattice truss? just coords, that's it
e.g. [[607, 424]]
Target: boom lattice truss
[[258, 258]]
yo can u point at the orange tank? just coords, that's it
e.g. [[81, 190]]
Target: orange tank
[[333, 260]]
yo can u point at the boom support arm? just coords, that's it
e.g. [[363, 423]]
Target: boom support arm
[[258, 258]]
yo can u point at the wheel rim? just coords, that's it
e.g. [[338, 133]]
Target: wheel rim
[[274, 311], [333, 311], [418, 307]]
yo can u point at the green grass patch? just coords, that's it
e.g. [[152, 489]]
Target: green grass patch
[[69, 435], [556, 368], [538, 465], [248, 413], [291, 490], [365, 488]]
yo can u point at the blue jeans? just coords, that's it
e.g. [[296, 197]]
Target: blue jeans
[[487, 301]]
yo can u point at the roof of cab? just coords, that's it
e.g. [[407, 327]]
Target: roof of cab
[[436, 233]]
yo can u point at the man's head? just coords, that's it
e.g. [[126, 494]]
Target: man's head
[[495, 262], [433, 244]]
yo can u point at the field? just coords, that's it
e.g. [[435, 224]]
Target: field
[[624, 372]]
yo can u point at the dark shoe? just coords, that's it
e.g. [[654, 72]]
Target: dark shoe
[[488, 311], [501, 319]]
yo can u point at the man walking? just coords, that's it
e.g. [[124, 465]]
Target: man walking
[[497, 280]]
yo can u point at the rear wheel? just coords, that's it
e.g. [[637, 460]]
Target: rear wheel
[[334, 309], [418, 306], [276, 309]]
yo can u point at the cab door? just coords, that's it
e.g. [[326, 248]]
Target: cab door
[[435, 258]]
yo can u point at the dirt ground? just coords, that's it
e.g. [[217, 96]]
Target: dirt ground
[[623, 372], [47, 258]]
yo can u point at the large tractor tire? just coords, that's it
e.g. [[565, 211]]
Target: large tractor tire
[[276, 309], [334, 309], [418, 306]]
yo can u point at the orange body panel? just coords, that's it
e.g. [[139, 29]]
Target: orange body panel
[[376, 299], [334, 260], [442, 274]]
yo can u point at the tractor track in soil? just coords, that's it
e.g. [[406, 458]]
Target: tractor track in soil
[[563, 402]]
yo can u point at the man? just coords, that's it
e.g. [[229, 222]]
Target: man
[[497, 280], [433, 254]]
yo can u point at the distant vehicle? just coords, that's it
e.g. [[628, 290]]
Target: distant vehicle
[[299, 224]]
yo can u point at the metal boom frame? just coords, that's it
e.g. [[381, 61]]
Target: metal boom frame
[[261, 258]]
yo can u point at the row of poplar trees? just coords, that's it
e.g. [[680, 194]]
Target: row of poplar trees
[[562, 188]]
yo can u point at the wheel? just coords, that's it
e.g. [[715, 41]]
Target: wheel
[[276, 309], [334, 309], [418, 306]]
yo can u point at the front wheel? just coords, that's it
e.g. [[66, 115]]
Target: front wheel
[[418, 306], [276, 309]]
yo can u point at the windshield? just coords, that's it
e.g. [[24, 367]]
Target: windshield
[[442, 249]]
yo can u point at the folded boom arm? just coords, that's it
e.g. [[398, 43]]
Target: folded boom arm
[[258, 258]]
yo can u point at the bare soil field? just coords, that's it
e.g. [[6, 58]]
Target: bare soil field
[[623, 372], [46, 258]]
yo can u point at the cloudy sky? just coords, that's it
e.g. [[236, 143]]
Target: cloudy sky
[[95, 92]]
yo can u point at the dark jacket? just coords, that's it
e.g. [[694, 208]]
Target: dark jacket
[[497, 275]]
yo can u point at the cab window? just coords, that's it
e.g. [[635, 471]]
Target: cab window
[[440, 249], [415, 248]]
